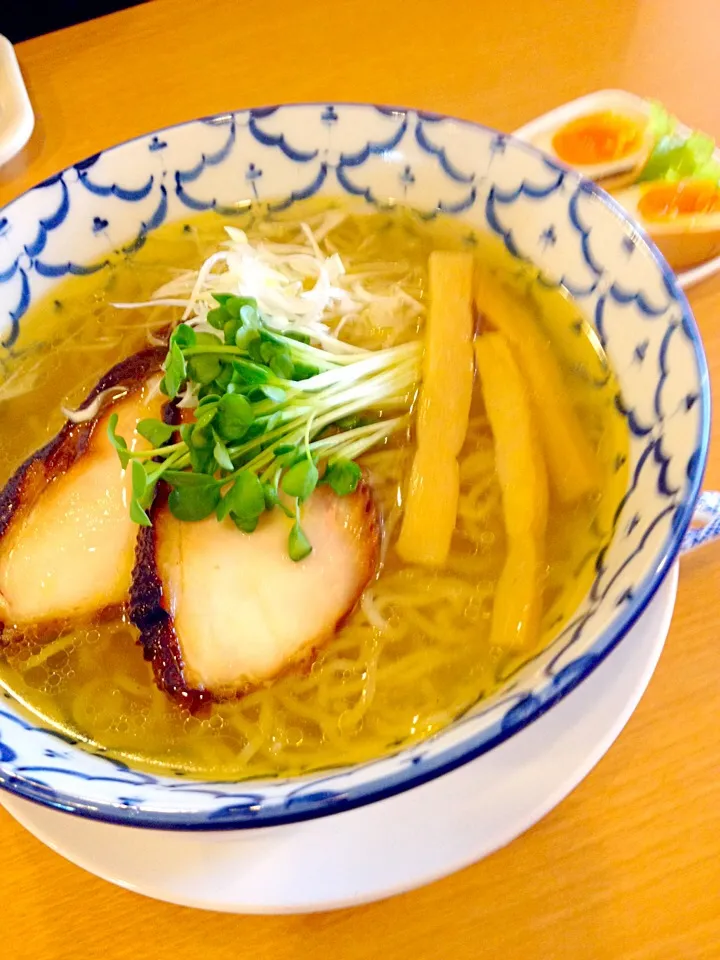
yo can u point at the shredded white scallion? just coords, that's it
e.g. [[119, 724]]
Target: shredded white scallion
[[92, 409], [189, 396], [297, 285]]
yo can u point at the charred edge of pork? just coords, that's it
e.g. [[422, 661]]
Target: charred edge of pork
[[66, 448], [160, 643], [71, 442], [158, 639]]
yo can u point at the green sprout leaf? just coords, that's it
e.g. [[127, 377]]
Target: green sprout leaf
[[343, 476], [234, 416], [247, 526], [274, 420], [291, 456], [249, 313], [300, 480], [175, 370], [245, 501], [282, 365], [188, 478], [247, 372], [204, 416], [276, 394], [207, 339], [222, 380], [155, 431], [184, 336], [204, 369], [270, 496], [230, 329], [138, 515], [220, 452], [119, 443], [143, 491], [303, 371], [256, 429], [194, 502], [198, 448], [139, 480], [235, 306], [244, 336], [196, 436], [255, 351], [299, 546], [217, 317]]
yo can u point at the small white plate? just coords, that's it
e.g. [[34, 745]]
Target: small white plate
[[388, 847], [597, 101], [16, 114]]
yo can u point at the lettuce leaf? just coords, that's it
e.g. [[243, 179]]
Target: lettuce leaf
[[676, 156]]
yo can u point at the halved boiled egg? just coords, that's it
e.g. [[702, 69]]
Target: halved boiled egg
[[605, 145], [683, 218], [606, 136]]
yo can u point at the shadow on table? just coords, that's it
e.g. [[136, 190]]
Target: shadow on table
[[23, 21]]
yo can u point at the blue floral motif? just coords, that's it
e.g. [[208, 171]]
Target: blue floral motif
[[279, 141], [625, 597], [251, 175], [541, 212], [130, 195], [329, 115], [407, 177], [632, 523], [548, 237], [302, 194], [52, 222], [640, 350], [429, 146], [210, 159], [18, 311], [10, 272]]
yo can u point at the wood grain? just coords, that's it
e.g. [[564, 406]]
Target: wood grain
[[628, 866]]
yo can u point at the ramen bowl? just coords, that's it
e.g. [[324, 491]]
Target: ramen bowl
[[542, 213]]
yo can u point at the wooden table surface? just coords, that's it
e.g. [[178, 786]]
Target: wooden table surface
[[628, 866]]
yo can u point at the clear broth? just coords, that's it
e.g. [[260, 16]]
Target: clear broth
[[415, 654]]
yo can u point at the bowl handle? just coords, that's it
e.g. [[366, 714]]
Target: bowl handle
[[705, 523]]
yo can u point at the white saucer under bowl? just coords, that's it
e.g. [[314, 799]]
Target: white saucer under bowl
[[390, 846]]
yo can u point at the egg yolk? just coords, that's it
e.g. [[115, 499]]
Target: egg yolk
[[665, 201], [597, 138]]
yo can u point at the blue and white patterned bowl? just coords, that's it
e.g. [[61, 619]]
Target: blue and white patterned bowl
[[543, 213]]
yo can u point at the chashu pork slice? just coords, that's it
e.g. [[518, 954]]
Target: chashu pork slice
[[67, 542], [221, 611]]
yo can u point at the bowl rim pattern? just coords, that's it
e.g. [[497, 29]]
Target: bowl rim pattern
[[325, 803]]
